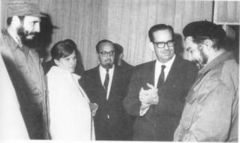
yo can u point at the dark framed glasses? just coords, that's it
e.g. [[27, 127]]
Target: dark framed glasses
[[104, 53], [161, 45]]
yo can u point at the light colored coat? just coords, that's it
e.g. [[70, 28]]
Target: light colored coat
[[69, 110], [211, 110]]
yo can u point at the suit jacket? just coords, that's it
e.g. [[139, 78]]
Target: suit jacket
[[116, 127], [161, 120]]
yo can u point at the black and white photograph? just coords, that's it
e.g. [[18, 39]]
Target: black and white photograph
[[119, 70]]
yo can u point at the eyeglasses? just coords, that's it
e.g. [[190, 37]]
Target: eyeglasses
[[161, 45], [103, 53]]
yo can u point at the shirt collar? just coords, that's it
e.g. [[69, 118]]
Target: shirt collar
[[9, 38], [218, 60], [15, 38], [168, 64], [103, 70], [158, 67], [214, 63], [13, 42]]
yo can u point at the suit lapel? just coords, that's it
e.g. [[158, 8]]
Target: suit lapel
[[115, 81], [151, 76], [97, 80], [173, 73], [148, 75]]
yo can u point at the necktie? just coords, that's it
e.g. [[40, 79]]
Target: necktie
[[106, 80], [161, 77]]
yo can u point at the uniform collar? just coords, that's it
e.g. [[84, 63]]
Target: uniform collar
[[215, 62], [167, 64], [13, 42], [212, 65]]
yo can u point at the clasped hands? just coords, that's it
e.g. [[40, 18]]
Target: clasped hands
[[150, 96]]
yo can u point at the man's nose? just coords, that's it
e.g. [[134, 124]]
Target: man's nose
[[37, 28], [165, 46], [108, 55]]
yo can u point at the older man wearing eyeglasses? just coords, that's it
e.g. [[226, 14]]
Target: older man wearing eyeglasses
[[106, 86], [158, 88]]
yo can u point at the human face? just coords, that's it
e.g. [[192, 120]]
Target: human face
[[194, 52], [163, 45], [106, 55], [68, 63], [29, 27]]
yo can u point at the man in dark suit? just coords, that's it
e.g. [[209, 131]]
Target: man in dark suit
[[158, 88], [106, 86]]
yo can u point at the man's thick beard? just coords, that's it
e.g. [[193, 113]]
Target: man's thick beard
[[204, 57], [201, 63], [23, 36]]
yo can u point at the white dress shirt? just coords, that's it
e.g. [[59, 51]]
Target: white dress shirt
[[103, 72], [158, 67]]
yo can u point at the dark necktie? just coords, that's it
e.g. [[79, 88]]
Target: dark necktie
[[106, 80], [161, 77]]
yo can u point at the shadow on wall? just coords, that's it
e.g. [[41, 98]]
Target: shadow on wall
[[233, 45], [232, 42], [178, 44]]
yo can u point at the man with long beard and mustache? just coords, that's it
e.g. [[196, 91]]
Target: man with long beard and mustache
[[106, 86], [24, 65], [211, 109]]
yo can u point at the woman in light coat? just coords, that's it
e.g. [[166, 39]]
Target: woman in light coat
[[69, 106]]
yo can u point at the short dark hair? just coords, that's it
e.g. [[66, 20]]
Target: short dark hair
[[71, 42], [9, 19], [159, 27], [101, 42], [202, 30], [62, 49]]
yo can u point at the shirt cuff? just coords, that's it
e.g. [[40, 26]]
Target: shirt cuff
[[143, 109]]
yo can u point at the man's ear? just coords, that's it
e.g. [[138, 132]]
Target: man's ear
[[98, 55], [150, 44], [121, 56], [16, 21], [208, 42]]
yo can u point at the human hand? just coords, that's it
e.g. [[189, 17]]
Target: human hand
[[143, 96], [149, 96], [93, 108]]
